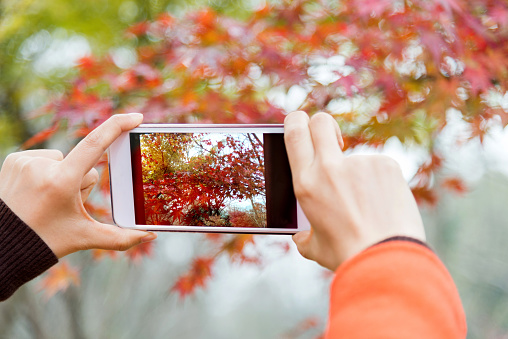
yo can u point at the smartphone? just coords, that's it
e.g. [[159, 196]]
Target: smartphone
[[204, 178]]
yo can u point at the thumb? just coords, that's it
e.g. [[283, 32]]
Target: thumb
[[110, 237], [302, 240]]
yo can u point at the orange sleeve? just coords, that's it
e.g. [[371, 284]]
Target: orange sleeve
[[396, 289]]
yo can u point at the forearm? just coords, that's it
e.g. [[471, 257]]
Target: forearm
[[396, 289], [23, 254]]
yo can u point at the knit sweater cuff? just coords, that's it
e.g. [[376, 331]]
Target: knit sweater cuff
[[23, 254]]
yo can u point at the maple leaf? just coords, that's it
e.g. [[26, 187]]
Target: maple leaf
[[374, 8], [136, 253], [425, 195], [479, 127], [478, 79], [90, 67], [499, 13], [214, 237], [435, 44], [455, 185], [59, 278], [41, 137], [235, 247], [198, 275], [139, 29], [98, 255]]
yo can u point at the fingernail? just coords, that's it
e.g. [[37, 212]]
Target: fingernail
[[149, 237]]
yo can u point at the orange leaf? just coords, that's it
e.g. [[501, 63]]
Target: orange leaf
[[425, 194], [184, 286], [59, 278], [455, 185], [198, 275], [139, 29], [165, 19], [100, 254], [137, 253], [214, 237], [41, 136], [235, 248]]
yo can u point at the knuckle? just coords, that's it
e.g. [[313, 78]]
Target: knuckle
[[48, 183], [26, 166], [329, 164], [17, 164], [56, 181], [58, 154], [303, 188], [295, 133], [95, 175], [116, 122], [360, 163], [94, 138], [11, 158]]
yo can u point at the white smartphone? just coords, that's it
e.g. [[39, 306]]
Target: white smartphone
[[204, 178]]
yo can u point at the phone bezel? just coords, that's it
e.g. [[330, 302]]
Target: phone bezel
[[120, 178]]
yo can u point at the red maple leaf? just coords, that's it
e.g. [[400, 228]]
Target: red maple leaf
[[455, 185], [425, 195], [198, 275], [41, 137], [136, 253]]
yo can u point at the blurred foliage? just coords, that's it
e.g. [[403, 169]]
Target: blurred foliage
[[33, 31]]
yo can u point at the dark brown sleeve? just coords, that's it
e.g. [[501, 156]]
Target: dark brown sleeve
[[23, 254], [404, 238]]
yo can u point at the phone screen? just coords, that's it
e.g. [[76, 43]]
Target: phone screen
[[212, 179]]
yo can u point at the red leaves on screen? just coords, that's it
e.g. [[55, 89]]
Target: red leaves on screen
[[59, 278], [190, 179]]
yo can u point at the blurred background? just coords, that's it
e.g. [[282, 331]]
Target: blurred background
[[424, 82]]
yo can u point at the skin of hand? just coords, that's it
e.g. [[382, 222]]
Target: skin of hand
[[351, 202], [47, 192]]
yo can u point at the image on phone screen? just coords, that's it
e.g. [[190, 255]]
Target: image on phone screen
[[212, 179]]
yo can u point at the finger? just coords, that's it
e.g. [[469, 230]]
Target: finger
[[298, 140], [41, 153], [110, 237], [303, 243], [88, 183], [88, 152], [325, 135]]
